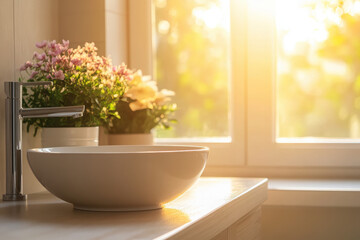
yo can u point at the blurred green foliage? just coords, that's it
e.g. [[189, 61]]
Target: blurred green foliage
[[319, 95], [192, 59]]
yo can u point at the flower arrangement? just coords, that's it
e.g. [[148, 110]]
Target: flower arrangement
[[80, 77], [142, 107]]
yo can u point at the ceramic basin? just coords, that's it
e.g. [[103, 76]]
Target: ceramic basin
[[118, 178]]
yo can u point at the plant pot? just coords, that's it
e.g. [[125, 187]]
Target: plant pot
[[72, 136], [131, 139]]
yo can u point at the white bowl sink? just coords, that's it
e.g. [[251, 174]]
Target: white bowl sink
[[118, 178]]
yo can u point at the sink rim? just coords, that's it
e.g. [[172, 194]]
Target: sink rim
[[170, 149], [103, 178]]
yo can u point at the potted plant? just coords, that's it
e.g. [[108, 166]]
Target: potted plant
[[142, 108], [79, 77]]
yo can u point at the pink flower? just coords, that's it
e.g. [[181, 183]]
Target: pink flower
[[26, 66], [39, 56], [59, 75], [41, 44], [122, 70], [39, 64], [42, 56], [47, 67], [52, 44], [33, 74], [90, 47], [129, 77], [54, 60], [48, 76], [66, 43], [23, 67], [76, 61], [58, 48]]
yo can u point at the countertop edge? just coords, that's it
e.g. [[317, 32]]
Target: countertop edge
[[222, 217]]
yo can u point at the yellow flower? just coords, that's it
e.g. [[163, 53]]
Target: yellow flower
[[141, 92], [104, 110], [137, 105], [137, 78], [163, 96], [145, 93]]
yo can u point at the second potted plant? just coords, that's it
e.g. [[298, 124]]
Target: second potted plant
[[142, 108]]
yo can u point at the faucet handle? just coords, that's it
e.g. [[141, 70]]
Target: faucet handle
[[28, 84]]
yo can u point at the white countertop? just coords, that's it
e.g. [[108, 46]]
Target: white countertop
[[209, 207]]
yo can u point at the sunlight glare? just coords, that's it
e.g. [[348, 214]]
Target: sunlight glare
[[213, 17], [208, 196], [308, 24], [299, 24]]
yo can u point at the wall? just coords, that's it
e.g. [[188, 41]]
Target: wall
[[101, 21], [116, 28], [83, 21], [311, 223], [7, 73], [140, 41]]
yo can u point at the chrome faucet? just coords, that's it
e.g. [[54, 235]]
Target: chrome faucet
[[14, 113]]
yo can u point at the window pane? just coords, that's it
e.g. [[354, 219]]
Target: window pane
[[318, 68], [191, 57]]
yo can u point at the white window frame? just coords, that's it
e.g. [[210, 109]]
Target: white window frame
[[263, 150], [252, 93]]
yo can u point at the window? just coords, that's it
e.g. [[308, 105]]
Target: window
[[192, 57], [268, 97], [264, 96]]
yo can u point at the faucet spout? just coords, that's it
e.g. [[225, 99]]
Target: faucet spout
[[70, 111]]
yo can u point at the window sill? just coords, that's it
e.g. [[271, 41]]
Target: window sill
[[320, 193], [203, 140]]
